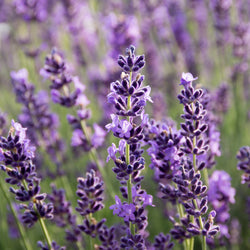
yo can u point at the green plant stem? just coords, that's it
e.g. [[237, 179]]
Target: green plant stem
[[129, 184], [25, 239], [45, 231], [194, 200], [91, 245], [204, 245], [191, 246]]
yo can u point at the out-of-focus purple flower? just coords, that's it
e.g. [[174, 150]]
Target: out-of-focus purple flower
[[178, 21], [220, 195], [77, 138], [220, 190], [241, 41], [98, 137], [243, 157], [221, 16], [32, 10], [42, 124], [121, 31]]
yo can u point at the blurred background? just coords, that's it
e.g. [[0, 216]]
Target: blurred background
[[209, 39]]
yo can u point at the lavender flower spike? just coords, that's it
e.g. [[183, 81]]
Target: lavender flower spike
[[16, 155]]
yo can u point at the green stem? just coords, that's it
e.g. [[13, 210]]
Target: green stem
[[204, 245], [129, 184], [45, 231], [194, 200], [91, 245], [25, 240], [204, 175], [129, 188], [191, 246]]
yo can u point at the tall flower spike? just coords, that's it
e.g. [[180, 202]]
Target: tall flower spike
[[129, 98], [16, 154]]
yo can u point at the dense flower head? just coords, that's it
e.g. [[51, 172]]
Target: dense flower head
[[164, 141], [131, 241], [120, 91], [131, 62], [162, 242], [108, 239], [35, 210], [16, 150], [90, 192], [129, 98], [122, 169]]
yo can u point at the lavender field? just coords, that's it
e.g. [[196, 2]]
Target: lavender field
[[124, 124]]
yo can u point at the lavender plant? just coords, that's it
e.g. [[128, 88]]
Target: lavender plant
[[188, 178], [177, 159], [16, 157], [129, 97]]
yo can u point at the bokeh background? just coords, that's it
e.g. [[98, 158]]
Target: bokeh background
[[209, 38]]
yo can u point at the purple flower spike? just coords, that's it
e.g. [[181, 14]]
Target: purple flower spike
[[90, 192], [129, 98]]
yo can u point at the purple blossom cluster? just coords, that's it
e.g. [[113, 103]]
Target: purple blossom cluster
[[16, 157], [177, 159]]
